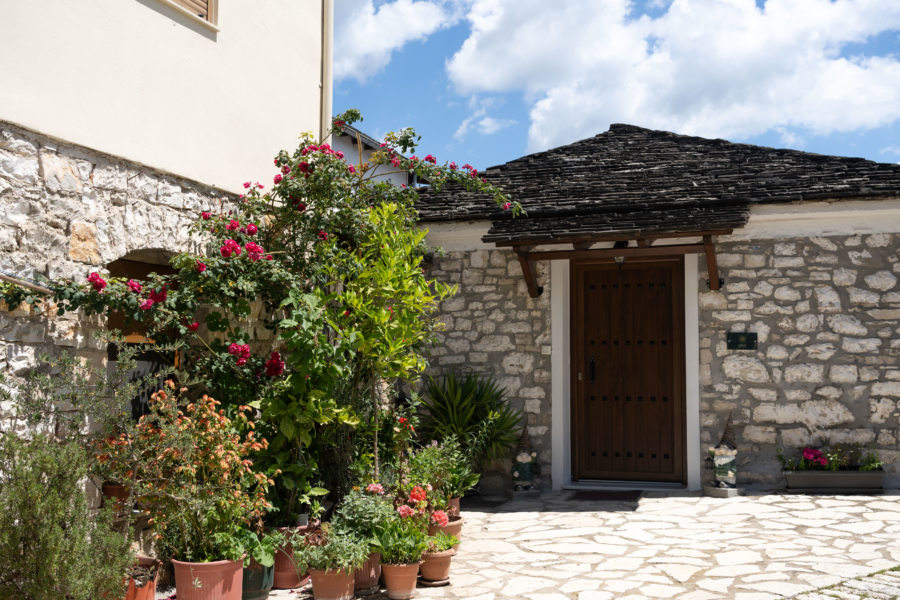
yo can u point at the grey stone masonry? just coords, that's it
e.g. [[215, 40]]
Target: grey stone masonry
[[826, 311], [65, 211], [493, 327]]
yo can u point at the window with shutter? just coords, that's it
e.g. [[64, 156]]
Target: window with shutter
[[205, 9]]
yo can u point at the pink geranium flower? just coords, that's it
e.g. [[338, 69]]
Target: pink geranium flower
[[406, 511], [439, 518], [417, 494]]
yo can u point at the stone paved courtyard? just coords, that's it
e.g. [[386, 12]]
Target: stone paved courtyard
[[675, 545]]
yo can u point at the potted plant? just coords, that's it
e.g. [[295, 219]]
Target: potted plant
[[402, 541], [259, 561], [141, 579], [448, 469], [364, 512], [332, 555], [194, 473], [287, 575], [839, 467], [435, 568]]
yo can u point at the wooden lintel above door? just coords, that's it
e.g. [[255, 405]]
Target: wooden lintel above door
[[643, 246]]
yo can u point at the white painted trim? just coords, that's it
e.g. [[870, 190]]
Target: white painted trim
[[692, 370], [811, 219], [455, 237], [560, 433]]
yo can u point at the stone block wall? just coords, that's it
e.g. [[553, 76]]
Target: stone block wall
[[65, 211], [827, 369], [493, 327]]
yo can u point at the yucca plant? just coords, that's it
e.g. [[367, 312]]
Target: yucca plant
[[471, 409]]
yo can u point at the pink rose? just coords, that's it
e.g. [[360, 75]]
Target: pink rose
[[205, 215], [232, 225], [201, 266], [274, 366], [323, 235], [147, 304], [98, 282], [252, 229], [246, 184], [193, 326], [135, 286], [277, 178]]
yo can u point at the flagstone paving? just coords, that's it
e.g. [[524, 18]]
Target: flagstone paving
[[676, 545]]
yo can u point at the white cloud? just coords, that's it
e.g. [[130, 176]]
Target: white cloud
[[490, 125], [366, 35], [718, 68]]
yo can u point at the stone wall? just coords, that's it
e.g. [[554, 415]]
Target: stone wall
[[65, 211], [495, 328], [827, 369]]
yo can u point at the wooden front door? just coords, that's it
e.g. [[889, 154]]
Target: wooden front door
[[628, 399]]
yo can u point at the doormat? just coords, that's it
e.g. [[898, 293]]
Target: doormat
[[609, 495]]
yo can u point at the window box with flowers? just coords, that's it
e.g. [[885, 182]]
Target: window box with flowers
[[840, 468]]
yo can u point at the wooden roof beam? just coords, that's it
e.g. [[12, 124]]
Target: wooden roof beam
[[712, 266], [530, 273]]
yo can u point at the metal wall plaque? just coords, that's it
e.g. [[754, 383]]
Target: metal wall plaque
[[741, 340]]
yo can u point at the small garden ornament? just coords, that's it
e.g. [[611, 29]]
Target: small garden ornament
[[724, 459]]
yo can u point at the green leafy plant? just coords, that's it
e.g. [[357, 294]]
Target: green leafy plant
[[189, 464], [446, 467], [441, 542], [471, 408], [364, 513], [51, 545], [403, 540], [332, 549]]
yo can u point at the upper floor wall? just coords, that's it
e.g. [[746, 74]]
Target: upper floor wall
[[147, 81]]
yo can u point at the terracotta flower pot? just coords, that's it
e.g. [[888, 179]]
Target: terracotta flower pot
[[257, 581], [400, 580], [286, 573], [144, 589], [331, 585], [217, 580], [436, 565], [367, 575], [454, 527], [453, 510]]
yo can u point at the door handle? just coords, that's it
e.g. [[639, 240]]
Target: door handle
[[593, 370]]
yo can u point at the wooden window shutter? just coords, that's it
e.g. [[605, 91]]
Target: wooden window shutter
[[205, 9]]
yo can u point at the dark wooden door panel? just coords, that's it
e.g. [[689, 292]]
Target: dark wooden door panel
[[628, 365]]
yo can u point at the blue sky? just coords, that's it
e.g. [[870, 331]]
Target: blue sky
[[487, 81]]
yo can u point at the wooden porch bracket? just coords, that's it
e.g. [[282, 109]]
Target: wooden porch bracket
[[711, 266], [534, 290]]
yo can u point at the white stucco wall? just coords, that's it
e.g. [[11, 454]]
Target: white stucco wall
[[141, 80], [347, 144]]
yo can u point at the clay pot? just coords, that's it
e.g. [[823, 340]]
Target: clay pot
[[453, 510], [436, 565], [331, 585], [454, 527], [286, 574], [257, 581], [217, 580], [144, 590], [367, 575], [400, 580]]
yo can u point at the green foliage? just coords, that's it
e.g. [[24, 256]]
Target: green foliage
[[445, 466], [51, 546], [260, 545], [190, 465], [335, 550], [363, 513], [402, 540], [329, 261], [442, 542], [472, 410]]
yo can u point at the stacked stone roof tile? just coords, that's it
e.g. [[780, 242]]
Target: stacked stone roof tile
[[631, 180]]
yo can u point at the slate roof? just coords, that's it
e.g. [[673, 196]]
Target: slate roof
[[635, 181]]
